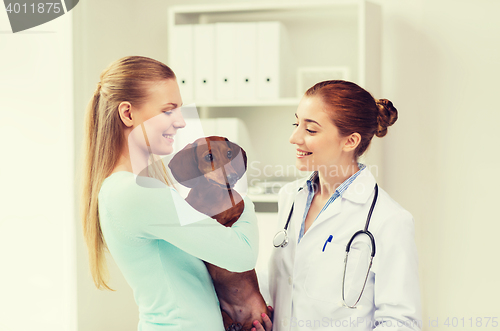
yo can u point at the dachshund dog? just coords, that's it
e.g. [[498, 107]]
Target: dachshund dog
[[211, 167]]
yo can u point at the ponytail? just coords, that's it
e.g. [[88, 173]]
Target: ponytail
[[122, 81]]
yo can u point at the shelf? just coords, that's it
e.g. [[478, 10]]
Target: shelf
[[263, 197], [258, 6], [352, 26], [250, 103]]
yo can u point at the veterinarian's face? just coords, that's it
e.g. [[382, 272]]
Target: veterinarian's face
[[317, 140], [161, 116]]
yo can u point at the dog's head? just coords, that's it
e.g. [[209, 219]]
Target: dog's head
[[216, 158]]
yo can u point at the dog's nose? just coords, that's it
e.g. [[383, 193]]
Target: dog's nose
[[232, 179]]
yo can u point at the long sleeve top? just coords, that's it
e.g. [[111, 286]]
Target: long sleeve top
[[159, 242]]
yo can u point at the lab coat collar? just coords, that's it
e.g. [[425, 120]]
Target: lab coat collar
[[358, 191], [310, 182], [304, 182], [362, 184], [361, 188]]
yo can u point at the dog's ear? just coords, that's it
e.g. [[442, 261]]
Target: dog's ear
[[184, 166], [239, 161]]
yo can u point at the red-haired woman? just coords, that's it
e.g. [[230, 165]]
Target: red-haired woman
[[334, 124]]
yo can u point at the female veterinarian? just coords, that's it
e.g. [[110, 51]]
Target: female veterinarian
[[138, 218], [335, 122]]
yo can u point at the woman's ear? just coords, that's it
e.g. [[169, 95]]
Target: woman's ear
[[124, 110], [351, 142]]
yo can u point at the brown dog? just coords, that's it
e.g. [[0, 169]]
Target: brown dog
[[211, 167]]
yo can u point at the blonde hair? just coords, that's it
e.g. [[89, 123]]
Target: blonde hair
[[126, 79]]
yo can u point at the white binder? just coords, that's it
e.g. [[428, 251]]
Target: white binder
[[204, 62], [246, 60], [225, 60], [182, 61], [273, 62]]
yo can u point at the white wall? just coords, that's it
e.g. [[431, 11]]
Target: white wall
[[440, 68], [37, 229]]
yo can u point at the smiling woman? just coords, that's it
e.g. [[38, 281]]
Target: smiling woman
[[150, 126], [310, 280], [130, 208]]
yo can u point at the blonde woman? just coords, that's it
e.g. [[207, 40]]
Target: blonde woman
[[138, 217]]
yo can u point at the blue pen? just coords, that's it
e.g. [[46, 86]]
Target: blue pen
[[329, 240]]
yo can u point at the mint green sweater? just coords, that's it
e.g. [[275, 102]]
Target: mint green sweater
[[159, 242]]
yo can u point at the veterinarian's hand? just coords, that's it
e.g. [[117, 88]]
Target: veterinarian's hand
[[267, 322]]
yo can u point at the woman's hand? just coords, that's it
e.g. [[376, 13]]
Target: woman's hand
[[267, 322]]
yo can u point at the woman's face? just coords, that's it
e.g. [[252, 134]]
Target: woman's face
[[161, 116], [318, 143]]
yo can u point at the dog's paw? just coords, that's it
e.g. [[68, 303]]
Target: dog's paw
[[235, 327]]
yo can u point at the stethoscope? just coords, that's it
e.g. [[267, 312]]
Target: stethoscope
[[281, 240]]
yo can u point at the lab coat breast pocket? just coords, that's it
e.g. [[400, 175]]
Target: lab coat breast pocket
[[324, 278]]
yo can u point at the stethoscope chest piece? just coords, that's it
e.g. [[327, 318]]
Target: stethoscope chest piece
[[280, 239]]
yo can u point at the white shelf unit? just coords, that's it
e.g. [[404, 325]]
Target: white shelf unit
[[263, 197], [333, 33], [321, 33]]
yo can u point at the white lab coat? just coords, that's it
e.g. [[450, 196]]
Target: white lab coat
[[311, 279]]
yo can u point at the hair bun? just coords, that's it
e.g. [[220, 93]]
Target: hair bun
[[387, 116]]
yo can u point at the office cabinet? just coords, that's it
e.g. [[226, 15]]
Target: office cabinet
[[342, 33]]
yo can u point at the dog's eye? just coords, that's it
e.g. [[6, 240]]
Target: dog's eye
[[229, 154], [209, 157]]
